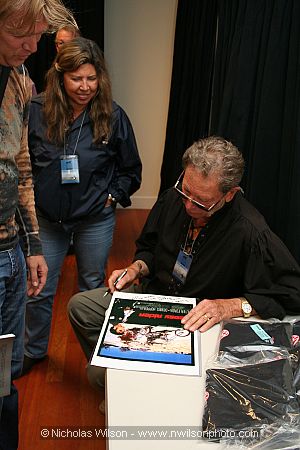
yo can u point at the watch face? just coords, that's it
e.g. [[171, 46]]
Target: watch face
[[247, 308]]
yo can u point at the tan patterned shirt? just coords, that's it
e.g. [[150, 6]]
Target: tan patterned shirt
[[17, 209]]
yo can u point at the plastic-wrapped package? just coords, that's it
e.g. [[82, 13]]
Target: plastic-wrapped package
[[277, 436], [253, 385], [248, 397], [296, 334], [244, 338], [260, 355], [295, 357], [296, 381]]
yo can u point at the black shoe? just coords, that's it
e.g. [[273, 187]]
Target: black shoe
[[28, 363]]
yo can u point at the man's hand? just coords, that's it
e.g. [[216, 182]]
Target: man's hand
[[37, 274], [134, 272], [209, 312], [125, 282]]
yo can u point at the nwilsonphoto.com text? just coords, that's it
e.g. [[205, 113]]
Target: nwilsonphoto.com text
[[137, 433]]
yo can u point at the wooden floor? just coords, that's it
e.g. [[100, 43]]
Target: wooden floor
[[55, 396]]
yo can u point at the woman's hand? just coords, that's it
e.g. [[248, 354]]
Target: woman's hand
[[110, 201]]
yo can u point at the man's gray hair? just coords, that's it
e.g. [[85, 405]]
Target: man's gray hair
[[215, 155]]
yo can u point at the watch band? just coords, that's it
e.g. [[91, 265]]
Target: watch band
[[245, 307]]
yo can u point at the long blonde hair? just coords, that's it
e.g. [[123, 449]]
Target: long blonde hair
[[20, 16], [57, 108]]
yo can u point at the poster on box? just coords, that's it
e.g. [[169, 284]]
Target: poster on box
[[144, 332]]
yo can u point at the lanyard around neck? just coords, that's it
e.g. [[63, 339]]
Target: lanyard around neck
[[78, 136], [188, 247]]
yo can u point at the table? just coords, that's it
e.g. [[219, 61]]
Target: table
[[144, 399]]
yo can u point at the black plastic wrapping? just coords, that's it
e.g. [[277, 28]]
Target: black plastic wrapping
[[253, 386], [244, 338], [249, 396], [295, 357]]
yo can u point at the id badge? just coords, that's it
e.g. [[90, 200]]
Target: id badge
[[69, 169], [182, 266]]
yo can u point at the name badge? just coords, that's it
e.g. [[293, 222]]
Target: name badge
[[182, 266], [69, 169]]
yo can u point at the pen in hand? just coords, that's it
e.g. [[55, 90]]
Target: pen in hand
[[116, 282]]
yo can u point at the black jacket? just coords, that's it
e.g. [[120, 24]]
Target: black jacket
[[235, 255], [113, 167]]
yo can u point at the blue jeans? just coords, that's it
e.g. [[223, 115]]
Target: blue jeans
[[92, 243], [12, 313]]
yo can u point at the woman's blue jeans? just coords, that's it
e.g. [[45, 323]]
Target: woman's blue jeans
[[91, 243], [12, 313]]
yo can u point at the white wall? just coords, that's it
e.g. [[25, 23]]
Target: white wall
[[138, 39]]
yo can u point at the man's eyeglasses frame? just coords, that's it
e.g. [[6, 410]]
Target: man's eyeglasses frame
[[194, 202]]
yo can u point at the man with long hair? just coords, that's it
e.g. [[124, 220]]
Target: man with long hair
[[22, 22]]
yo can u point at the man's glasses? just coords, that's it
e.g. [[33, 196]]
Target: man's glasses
[[178, 187]]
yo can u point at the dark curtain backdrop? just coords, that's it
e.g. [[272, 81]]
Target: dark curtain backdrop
[[188, 117], [89, 15], [255, 102]]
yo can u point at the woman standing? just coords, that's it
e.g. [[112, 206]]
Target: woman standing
[[84, 161]]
